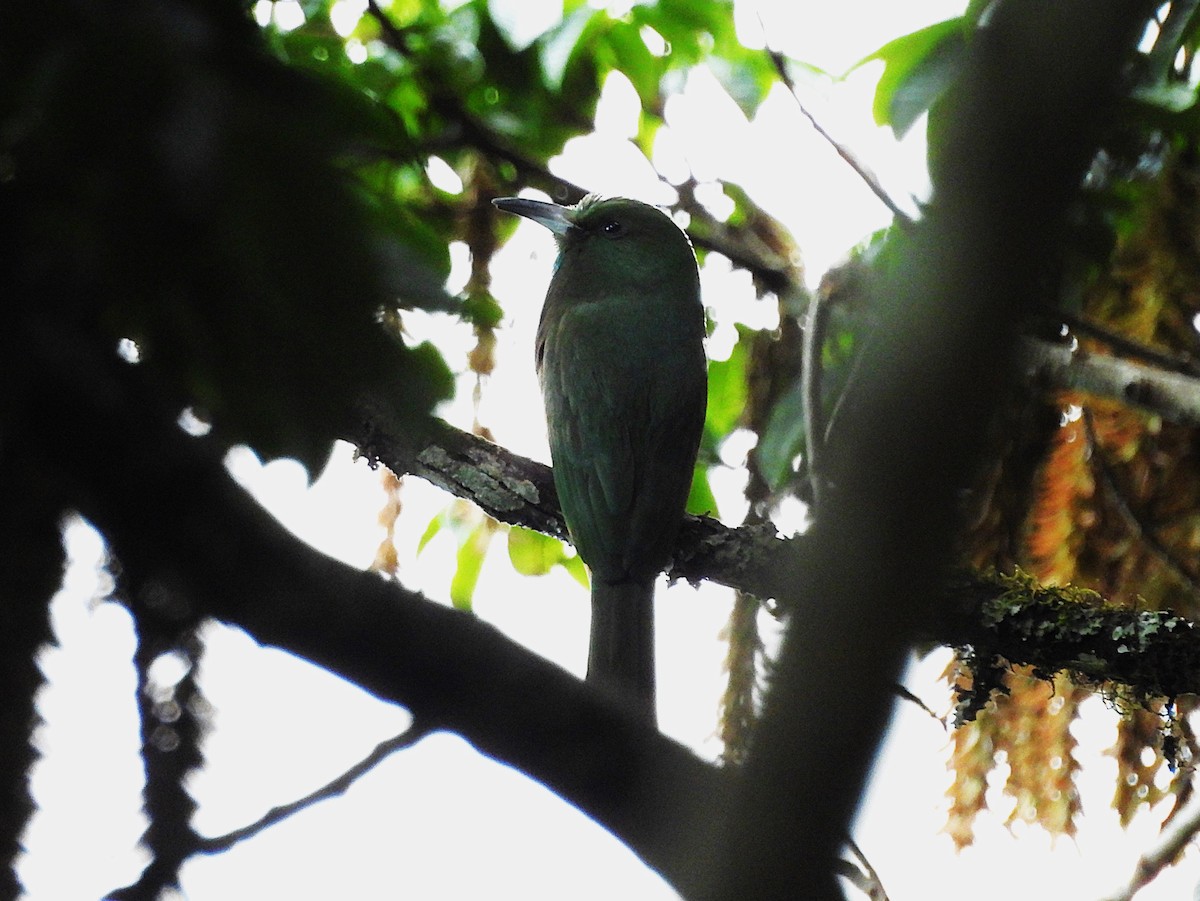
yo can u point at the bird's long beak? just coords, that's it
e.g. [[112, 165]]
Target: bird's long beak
[[556, 218]]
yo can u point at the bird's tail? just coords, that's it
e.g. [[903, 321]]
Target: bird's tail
[[621, 652]]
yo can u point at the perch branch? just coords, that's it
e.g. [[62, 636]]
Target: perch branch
[[1050, 628], [518, 491]]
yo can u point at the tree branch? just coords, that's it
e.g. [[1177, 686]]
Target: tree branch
[[194, 543], [1139, 654], [1171, 395], [1176, 835], [519, 491], [336, 786], [1010, 158], [191, 542], [1050, 628], [869, 178], [754, 559]]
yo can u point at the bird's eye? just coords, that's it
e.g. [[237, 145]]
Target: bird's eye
[[612, 228]]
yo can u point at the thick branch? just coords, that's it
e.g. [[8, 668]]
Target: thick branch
[[195, 543], [519, 491], [191, 542], [1020, 127], [1047, 628]]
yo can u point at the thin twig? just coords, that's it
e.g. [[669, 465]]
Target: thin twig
[[907, 695], [338, 786], [869, 178], [862, 875], [1175, 835]]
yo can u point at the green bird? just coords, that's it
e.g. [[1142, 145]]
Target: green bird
[[620, 357]]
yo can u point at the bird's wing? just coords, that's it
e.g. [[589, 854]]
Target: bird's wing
[[590, 444], [623, 426]]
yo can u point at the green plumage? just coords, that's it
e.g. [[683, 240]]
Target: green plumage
[[620, 356]]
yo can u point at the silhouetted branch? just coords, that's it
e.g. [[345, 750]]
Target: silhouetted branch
[[1012, 153], [201, 546], [337, 786], [1176, 835], [870, 179]]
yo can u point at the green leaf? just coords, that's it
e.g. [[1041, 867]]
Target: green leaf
[[471, 554], [559, 45], [726, 392], [975, 11], [690, 27], [421, 379], [431, 531], [918, 68], [747, 78], [532, 553], [1174, 97], [701, 500], [622, 48], [535, 554], [422, 245], [574, 565], [648, 128]]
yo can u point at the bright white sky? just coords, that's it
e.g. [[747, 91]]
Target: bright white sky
[[438, 821]]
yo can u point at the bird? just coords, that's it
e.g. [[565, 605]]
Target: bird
[[620, 358]]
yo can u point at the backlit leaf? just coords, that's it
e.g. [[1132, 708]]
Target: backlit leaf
[[918, 68], [469, 563], [532, 553]]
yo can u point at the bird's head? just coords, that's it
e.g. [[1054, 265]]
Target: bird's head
[[615, 238]]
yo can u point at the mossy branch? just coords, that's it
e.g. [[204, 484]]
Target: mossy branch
[[1135, 654], [1147, 654]]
